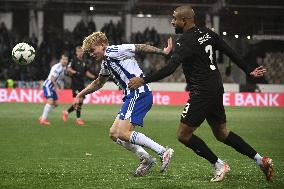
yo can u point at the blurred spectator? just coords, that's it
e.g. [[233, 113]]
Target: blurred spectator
[[56, 42], [10, 83]]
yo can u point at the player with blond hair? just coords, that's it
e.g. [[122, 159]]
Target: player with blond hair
[[118, 62]]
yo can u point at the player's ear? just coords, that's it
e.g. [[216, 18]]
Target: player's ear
[[104, 46]]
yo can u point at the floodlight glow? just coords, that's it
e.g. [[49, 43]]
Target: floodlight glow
[[140, 15]]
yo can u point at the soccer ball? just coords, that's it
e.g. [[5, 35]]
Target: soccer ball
[[23, 53]]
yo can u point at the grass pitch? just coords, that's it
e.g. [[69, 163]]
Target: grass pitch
[[67, 156]]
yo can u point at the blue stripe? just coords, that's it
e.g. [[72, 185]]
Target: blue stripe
[[128, 75], [116, 75], [48, 83], [134, 136]]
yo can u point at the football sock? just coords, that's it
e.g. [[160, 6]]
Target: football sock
[[258, 159], [78, 112], [46, 110], [219, 161], [200, 148], [71, 109], [240, 145], [142, 140], [138, 150]]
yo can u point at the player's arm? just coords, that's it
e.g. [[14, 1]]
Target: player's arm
[[136, 82], [178, 56], [53, 80], [71, 71], [154, 50], [224, 47], [92, 87]]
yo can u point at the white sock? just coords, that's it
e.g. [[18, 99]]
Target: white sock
[[142, 140], [258, 159], [219, 161], [46, 110], [138, 150]]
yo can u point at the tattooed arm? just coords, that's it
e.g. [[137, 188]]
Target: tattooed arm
[[150, 49]]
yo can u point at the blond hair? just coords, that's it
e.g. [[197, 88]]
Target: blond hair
[[96, 38]]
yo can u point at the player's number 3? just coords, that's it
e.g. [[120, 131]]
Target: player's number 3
[[209, 49]]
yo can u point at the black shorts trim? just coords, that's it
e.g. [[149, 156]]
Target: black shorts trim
[[197, 110]]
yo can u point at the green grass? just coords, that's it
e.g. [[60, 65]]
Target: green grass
[[33, 156]]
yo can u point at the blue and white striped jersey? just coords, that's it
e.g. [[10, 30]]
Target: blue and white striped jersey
[[57, 71], [120, 64]]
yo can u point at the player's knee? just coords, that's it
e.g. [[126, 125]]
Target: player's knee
[[124, 135], [221, 135], [182, 137], [113, 134]]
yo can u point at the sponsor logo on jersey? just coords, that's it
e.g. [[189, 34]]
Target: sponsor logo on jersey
[[204, 38]]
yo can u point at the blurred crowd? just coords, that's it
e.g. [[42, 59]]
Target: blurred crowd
[[54, 43], [274, 62]]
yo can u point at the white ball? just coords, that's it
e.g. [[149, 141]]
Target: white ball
[[23, 53]]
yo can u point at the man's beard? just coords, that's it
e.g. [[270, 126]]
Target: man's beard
[[178, 30]]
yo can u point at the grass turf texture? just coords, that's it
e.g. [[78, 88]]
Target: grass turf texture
[[33, 156]]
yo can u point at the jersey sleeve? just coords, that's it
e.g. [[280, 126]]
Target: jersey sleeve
[[226, 49], [121, 51], [180, 52], [55, 71], [104, 70]]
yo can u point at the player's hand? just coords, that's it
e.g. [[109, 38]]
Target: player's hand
[[78, 101], [135, 83], [258, 72], [169, 48]]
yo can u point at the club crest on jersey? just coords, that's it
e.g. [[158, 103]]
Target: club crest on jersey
[[204, 38]]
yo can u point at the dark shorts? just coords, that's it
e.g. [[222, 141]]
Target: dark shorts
[[197, 110], [76, 90]]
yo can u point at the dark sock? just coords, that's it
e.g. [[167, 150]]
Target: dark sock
[[240, 145], [71, 109], [200, 148], [78, 113]]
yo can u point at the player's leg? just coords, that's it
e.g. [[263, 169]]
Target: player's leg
[[137, 109], [79, 120], [138, 150], [191, 118], [125, 133], [185, 136], [132, 113], [240, 145], [216, 118], [65, 113], [146, 161], [51, 103]]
